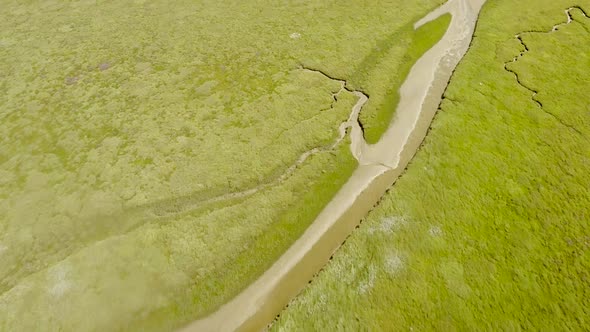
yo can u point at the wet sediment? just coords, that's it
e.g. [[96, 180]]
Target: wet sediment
[[379, 167]]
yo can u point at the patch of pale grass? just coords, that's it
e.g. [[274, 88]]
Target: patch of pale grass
[[388, 224], [60, 283], [368, 282], [393, 263], [435, 231]]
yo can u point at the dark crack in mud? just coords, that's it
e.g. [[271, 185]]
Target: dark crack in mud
[[525, 50]]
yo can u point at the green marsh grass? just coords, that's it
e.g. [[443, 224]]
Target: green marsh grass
[[488, 229], [119, 119]]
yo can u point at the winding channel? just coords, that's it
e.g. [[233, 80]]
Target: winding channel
[[380, 165]]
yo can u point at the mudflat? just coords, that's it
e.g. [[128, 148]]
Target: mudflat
[[379, 166]]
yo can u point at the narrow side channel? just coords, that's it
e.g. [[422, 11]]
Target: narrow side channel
[[379, 166]]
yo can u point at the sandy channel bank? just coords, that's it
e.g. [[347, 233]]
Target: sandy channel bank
[[380, 165]]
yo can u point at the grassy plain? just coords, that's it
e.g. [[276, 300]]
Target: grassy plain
[[122, 122], [488, 229]]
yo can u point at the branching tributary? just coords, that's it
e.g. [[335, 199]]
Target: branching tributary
[[525, 50], [170, 208], [380, 165]]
